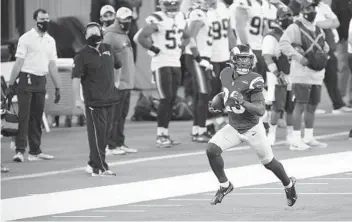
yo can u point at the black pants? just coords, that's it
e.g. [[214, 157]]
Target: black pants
[[131, 33], [30, 112], [117, 136], [216, 85], [167, 82], [99, 125], [331, 82], [31, 100], [202, 88]]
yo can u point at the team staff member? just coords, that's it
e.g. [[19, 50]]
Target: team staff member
[[309, 57], [117, 36], [107, 16], [94, 68], [35, 57]]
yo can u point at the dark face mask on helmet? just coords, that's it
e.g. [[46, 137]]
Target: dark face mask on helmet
[[284, 23], [94, 40], [125, 26], [310, 17], [43, 26]]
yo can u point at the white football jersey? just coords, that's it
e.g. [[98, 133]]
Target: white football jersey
[[261, 19], [220, 25], [204, 38], [167, 39]]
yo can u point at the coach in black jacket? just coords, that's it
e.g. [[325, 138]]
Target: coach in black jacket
[[94, 68]]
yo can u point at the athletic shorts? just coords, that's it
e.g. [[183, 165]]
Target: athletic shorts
[[167, 80], [283, 99], [200, 77], [306, 93], [228, 137]]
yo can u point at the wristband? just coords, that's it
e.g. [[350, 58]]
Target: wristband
[[154, 49]]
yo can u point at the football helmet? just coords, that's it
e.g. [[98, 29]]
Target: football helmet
[[203, 4], [242, 59], [170, 7]]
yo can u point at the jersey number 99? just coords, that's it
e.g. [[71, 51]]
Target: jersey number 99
[[233, 109], [219, 29]]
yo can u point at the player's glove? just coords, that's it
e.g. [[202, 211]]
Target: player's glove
[[212, 109], [154, 51], [206, 64], [237, 97], [10, 91], [281, 78]]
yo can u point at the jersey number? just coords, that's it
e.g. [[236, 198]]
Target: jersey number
[[170, 35], [257, 25], [218, 30], [232, 109]]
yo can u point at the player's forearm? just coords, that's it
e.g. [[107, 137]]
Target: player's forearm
[[54, 74], [242, 34], [16, 70], [255, 108], [328, 24], [270, 64], [76, 88], [144, 42], [288, 50]]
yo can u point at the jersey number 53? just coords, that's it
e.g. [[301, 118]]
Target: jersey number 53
[[233, 109], [171, 37]]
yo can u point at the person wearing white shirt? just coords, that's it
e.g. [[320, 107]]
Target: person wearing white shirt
[[328, 21], [35, 58]]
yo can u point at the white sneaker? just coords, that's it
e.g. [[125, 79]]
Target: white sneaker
[[299, 145], [18, 157], [89, 169], [320, 111], [316, 144], [163, 142], [116, 151], [40, 156], [344, 109], [127, 149]]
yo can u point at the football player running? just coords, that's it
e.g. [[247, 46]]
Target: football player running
[[197, 61], [162, 38], [255, 18], [279, 87], [243, 99]]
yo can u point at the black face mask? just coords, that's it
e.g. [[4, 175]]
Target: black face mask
[[43, 26], [228, 2], [94, 40], [285, 23], [125, 26], [310, 17], [109, 22]]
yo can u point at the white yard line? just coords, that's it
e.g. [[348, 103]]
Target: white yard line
[[117, 195], [189, 199], [281, 193], [147, 159], [261, 188], [118, 211], [80, 216], [333, 178], [154, 205]]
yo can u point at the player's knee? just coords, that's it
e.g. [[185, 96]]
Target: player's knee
[[271, 164], [311, 108], [213, 150], [299, 107]]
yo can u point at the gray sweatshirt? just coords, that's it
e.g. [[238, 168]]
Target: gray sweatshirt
[[122, 47], [299, 73]]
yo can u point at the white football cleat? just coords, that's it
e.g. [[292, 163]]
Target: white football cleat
[[316, 144], [299, 146]]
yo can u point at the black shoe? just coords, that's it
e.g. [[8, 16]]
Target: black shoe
[[291, 194], [68, 122], [350, 135], [221, 193]]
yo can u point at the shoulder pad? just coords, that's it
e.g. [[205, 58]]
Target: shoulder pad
[[154, 17], [257, 82], [226, 76], [196, 14]]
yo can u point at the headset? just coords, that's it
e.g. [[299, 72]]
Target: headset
[[93, 24]]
